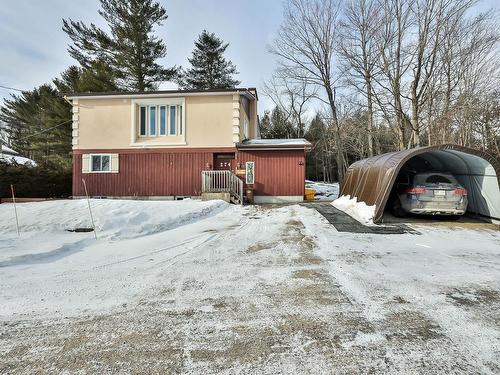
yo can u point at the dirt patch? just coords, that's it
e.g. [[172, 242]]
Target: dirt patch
[[246, 346], [310, 274], [316, 330], [217, 303], [473, 297], [255, 248], [411, 326], [104, 344]]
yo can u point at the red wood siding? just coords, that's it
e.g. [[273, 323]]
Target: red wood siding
[[169, 172], [277, 173], [145, 174]]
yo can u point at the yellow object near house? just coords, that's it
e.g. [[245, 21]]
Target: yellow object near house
[[309, 193]]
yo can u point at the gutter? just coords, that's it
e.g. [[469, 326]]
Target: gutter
[[176, 94]]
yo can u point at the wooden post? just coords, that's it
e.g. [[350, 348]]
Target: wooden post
[[90, 209], [15, 209]]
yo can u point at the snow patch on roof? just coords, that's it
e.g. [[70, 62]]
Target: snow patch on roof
[[17, 159], [8, 150], [278, 142], [8, 155]]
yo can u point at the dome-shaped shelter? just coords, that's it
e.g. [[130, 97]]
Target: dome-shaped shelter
[[371, 180]]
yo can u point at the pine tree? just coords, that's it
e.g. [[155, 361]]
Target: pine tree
[[131, 50], [38, 124], [209, 68], [275, 125], [97, 78]]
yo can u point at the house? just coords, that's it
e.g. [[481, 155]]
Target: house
[[181, 143], [8, 155]]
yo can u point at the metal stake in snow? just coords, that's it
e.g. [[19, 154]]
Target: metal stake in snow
[[90, 209], [15, 209]]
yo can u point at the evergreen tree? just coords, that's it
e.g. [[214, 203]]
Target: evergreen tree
[[209, 68], [38, 124], [130, 51], [97, 78]]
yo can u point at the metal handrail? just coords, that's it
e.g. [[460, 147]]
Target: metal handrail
[[222, 181]]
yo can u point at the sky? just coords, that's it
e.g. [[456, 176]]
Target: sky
[[33, 47]]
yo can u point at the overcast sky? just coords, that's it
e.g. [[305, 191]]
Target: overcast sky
[[33, 47]]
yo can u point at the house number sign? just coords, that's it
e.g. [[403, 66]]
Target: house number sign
[[250, 172]]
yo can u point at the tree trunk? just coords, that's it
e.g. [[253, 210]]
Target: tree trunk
[[414, 116], [338, 136], [370, 116]]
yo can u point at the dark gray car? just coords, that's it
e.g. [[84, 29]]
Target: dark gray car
[[430, 193]]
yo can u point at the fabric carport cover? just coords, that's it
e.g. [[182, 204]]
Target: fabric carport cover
[[371, 180]]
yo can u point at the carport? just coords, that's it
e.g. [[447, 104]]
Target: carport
[[371, 180]]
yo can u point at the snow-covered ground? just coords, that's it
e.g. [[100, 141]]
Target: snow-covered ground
[[325, 191], [207, 287]]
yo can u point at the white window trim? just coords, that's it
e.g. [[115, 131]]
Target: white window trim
[[91, 164], [167, 101]]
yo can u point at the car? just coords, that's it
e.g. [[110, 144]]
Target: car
[[429, 193]]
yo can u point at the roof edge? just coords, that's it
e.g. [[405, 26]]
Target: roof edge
[[249, 92]]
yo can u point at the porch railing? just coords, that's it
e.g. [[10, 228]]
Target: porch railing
[[222, 181]]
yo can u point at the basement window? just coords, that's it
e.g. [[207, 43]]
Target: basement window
[[100, 163]]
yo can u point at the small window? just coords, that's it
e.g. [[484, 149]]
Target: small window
[[142, 121], [172, 120], [163, 120], [152, 121], [245, 127], [101, 163], [437, 179]]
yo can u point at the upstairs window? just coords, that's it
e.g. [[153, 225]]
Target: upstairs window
[[173, 118], [142, 121], [163, 120], [160, 120], [152, 121]]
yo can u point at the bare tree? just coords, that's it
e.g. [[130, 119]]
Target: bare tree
[[393, 64], [305, 46], [360, 27], [291, 97]]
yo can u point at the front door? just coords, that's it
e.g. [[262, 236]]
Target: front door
[[223, 162]]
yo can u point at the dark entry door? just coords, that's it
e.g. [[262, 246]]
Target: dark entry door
[[223, 162]]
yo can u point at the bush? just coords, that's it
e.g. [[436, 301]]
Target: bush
[[46, 180]]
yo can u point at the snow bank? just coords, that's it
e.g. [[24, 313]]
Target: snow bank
[[358, 210], [324, 191], [114, 219]]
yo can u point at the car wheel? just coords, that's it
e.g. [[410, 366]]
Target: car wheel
[[397, 209]]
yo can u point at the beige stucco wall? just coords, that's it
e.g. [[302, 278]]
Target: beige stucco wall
[[106, 124]]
